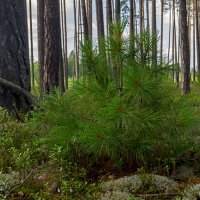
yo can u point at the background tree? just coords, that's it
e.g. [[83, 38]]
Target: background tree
[[100, 20], [40, 23], [154, 31], [53, 57], [185, 55]]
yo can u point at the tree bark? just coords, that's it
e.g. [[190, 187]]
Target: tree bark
[[100, 20], [52, 60], [117, 10], [85, 20], [31, 44], [40, 24], [14, 59], [154, 32], [185, 54]]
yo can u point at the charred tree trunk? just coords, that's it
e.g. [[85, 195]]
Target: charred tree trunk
[[14, 59]]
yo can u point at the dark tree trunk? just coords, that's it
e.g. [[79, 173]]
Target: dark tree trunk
[[40, 19], [185, 54], [108, 15], [85, 20], [100, 20], [52, 60], [14, 58], [117, 10], [90, 19]]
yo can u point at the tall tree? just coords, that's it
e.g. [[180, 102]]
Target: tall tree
[[154, 32], [53, 57], [117, 10], [85, 20], [90, 18], [197, 19], [66, 66], [14, 59], [40, 23], [147, 13], [76, 55], [100, 20], [185, 54], [141, 16], [161, 34], [109, 18], [31, 43], [194, 42]]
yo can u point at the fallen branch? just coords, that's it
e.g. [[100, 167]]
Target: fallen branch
[[159, 195], [18, 90]]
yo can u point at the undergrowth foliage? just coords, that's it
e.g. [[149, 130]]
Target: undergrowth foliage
[[140, 122]]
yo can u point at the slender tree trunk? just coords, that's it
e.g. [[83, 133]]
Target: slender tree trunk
[[40, 20], [85, 20], [197, 36], [63, 55], [173, 40], [170, 24], [135, 13], [117, 10], [154, 32], [161, 34], [31, 44], [109, 15], [132, 28], [65, 50], [75, 41], [185, 55], [90, 19], [147, 13], [141, 16], [194, 42], [14, 59], [100, 22]]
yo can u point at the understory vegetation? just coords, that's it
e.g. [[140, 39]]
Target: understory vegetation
[[104, 127]]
